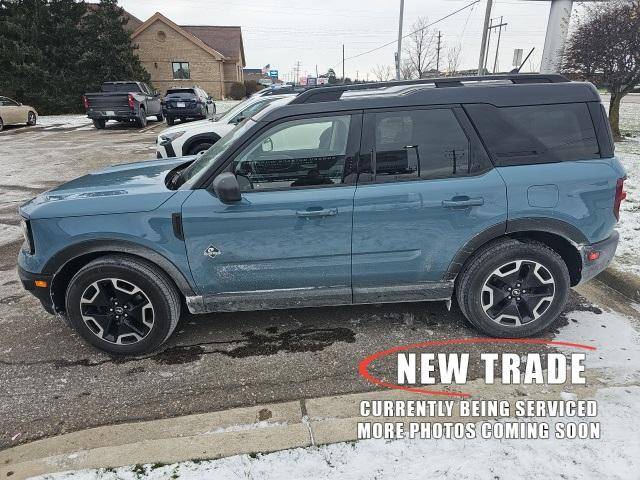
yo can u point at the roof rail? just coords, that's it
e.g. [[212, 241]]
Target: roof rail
[[333, 93]]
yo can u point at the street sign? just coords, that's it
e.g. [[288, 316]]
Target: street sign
[[312, 81], [273, 73]]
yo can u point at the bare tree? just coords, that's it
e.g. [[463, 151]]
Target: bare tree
[[605, 49], [420, 50], [383, 73], [454, 58], [407, 71]]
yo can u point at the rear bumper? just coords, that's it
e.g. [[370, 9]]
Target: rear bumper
[[106, 114], [606, 250], [28, 280], [183, 112]]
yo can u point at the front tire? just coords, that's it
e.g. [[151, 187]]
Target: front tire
[[160, 117], [170, 121], [513, 288], [200, 148], [123, 305], [31, 119]]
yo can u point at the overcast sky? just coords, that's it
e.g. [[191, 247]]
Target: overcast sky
[[283, 32]]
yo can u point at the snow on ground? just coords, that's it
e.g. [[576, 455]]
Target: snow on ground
[[9, 234], [613, 456], [628, 253], [63, 121]]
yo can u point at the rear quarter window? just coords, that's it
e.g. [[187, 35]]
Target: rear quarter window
[[536, 134]]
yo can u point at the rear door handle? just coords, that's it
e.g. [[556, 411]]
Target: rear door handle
[[329, 212], [462, 202]]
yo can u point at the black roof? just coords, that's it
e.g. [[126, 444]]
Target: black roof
[[498, 90]]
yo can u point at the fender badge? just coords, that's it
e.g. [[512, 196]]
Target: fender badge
[[212, 251]]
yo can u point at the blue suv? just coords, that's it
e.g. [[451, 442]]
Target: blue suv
[[500, 191]]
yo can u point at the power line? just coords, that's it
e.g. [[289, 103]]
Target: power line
[[415, 31]]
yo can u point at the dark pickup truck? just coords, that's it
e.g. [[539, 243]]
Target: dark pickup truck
[[124, 102]]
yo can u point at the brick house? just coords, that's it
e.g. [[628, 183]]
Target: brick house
[[211, 57]]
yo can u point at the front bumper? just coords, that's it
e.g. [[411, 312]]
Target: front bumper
[[606, 250], [164, 149], [43, 294]]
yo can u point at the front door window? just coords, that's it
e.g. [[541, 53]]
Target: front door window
[[294, 154]]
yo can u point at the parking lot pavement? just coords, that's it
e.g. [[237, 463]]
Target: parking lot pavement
[[51, 382]]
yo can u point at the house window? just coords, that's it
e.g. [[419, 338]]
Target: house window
[[181, 70]]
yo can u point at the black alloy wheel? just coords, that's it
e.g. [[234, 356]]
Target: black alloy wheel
[[117, 311]]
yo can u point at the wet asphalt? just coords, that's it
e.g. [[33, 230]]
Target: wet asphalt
[[51, 382]]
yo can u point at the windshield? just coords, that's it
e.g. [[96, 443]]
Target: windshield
[[202, 164], [245, 109], [120, 87]]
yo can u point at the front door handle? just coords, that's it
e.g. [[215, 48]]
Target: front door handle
[[462, 202], [313, 213]]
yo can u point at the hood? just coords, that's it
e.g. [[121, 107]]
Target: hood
[[128, 188], [187, 127]]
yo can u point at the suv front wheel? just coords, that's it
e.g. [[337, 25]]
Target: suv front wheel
[[123, 305], [513, 288]]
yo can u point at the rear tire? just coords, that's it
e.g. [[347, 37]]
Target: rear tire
[[1, 124], [31, 119], [110, 288], [512, 289], [99, 124], [141, 121]]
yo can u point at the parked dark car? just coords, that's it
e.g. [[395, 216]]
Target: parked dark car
[[124, 102], [187, 104]]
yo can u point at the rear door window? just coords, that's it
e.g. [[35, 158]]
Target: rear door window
[[537, 133], [420, 144]]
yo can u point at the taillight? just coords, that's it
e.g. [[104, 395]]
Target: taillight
[[620, 196], [132, 102], [85, 102]]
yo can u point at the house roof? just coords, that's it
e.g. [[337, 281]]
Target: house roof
[[221, 42], [226, 40], [158, 17]]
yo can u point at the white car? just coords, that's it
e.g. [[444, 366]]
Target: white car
[[196, 137]]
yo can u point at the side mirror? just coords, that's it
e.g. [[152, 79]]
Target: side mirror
[[267, 144], [237, 120], [227, 188]]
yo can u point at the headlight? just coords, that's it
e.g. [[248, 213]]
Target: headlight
[[28, 236], [170, 137]]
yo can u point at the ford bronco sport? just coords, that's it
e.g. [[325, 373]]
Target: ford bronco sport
[[500, 191]]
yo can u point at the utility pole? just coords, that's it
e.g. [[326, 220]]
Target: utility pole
[[485, 30], [343, 63], [486, 52], [499, 26], [439, 47], [316, 70], [399, 51]]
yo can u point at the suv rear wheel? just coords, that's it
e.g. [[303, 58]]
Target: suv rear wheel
[[99, 124], [513, 289], [141, 121], [123, 305]]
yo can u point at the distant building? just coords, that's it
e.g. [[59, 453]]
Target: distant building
[[184, 55]]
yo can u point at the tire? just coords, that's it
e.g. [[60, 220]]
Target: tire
[[170, 121], [139, 288], [99, 124], [31, 119], [160, 117], [495, 300], [1, 124], [199, 147], [141, 121]]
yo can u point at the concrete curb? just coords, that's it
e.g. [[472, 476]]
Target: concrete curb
[[259, 429], [625, 283]]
